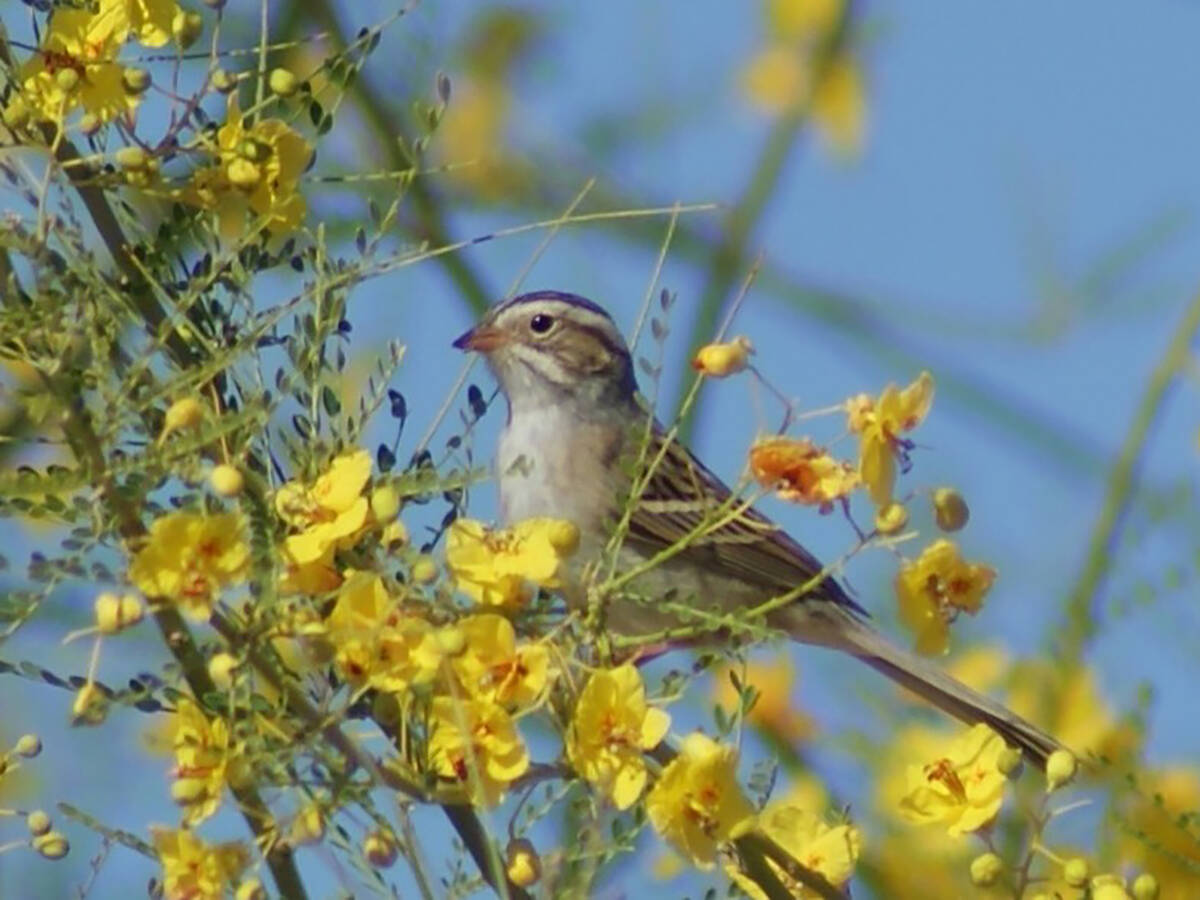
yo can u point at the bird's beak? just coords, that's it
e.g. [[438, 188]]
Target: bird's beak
[[481, 339]]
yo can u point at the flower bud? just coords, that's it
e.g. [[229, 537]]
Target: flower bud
[[1010, 762], [115, 613], [250, 889], [986, 869], [221, 668], [52, 845], [950, 509], [189, 791], [226, 480], [424, 569], [395, 535], [67, 78], [385, 503], [88, 706], [183, 413], [28, 746], [223, 81], [38, 822], [89, 124], [1145, 887], [16, 114], [282, 82], [135, 81], [1075, 872], [522, 863], [186, 27], [719, 360], [891, 518], [131, 158], [380, 849], [243, 174], [1060, 769], [563, 536], [1108, 886], [308, 827]]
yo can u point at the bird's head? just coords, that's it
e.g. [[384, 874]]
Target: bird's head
[[550, 347]]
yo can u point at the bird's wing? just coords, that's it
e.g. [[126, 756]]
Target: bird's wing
[[682, 494]]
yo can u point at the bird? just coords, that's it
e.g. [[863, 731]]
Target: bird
[[576, 421]]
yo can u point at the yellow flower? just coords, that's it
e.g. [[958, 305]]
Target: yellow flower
[[800, 471], [773, 711], [839, 107], [375, 642], [188, 558], [495, 567], [697, 804], [328, 514], [202, 761], [803, 20], [471, 137], [611, 727], [881, 426], [935, 588], [476, 744], [830, 850], [257, 169], [962, 789], [194, 869], [719, 360], [76, 65], [777, 79], [494, 668]]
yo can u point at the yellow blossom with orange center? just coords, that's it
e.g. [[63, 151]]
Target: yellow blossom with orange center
[[375, 642], [611, 729], [963, 788], [935, 588], [329, 513], [830, 850], [476, 744], [697, 804], [85, 44], [881, 425], [203, 761], [800, 471], [495, 668], [496, 567], [193, 869], [188, 558]]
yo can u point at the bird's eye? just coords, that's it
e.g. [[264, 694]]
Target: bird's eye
[[541, 323]]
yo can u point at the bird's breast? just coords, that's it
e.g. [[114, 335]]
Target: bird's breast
[[551, 464]]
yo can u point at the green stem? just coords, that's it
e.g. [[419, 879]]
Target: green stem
[[1080, 624]]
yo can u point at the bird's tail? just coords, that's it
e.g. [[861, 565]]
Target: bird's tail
[[851, 635]]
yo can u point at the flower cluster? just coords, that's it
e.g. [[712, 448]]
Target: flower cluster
[[76, 65], [255, 169], [791, 72]]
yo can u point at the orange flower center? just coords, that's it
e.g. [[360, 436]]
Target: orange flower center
[[943, 772]]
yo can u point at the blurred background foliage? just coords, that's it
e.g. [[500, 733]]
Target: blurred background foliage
[[1005, 196]]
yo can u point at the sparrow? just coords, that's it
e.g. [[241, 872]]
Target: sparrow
[[576, 424]]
